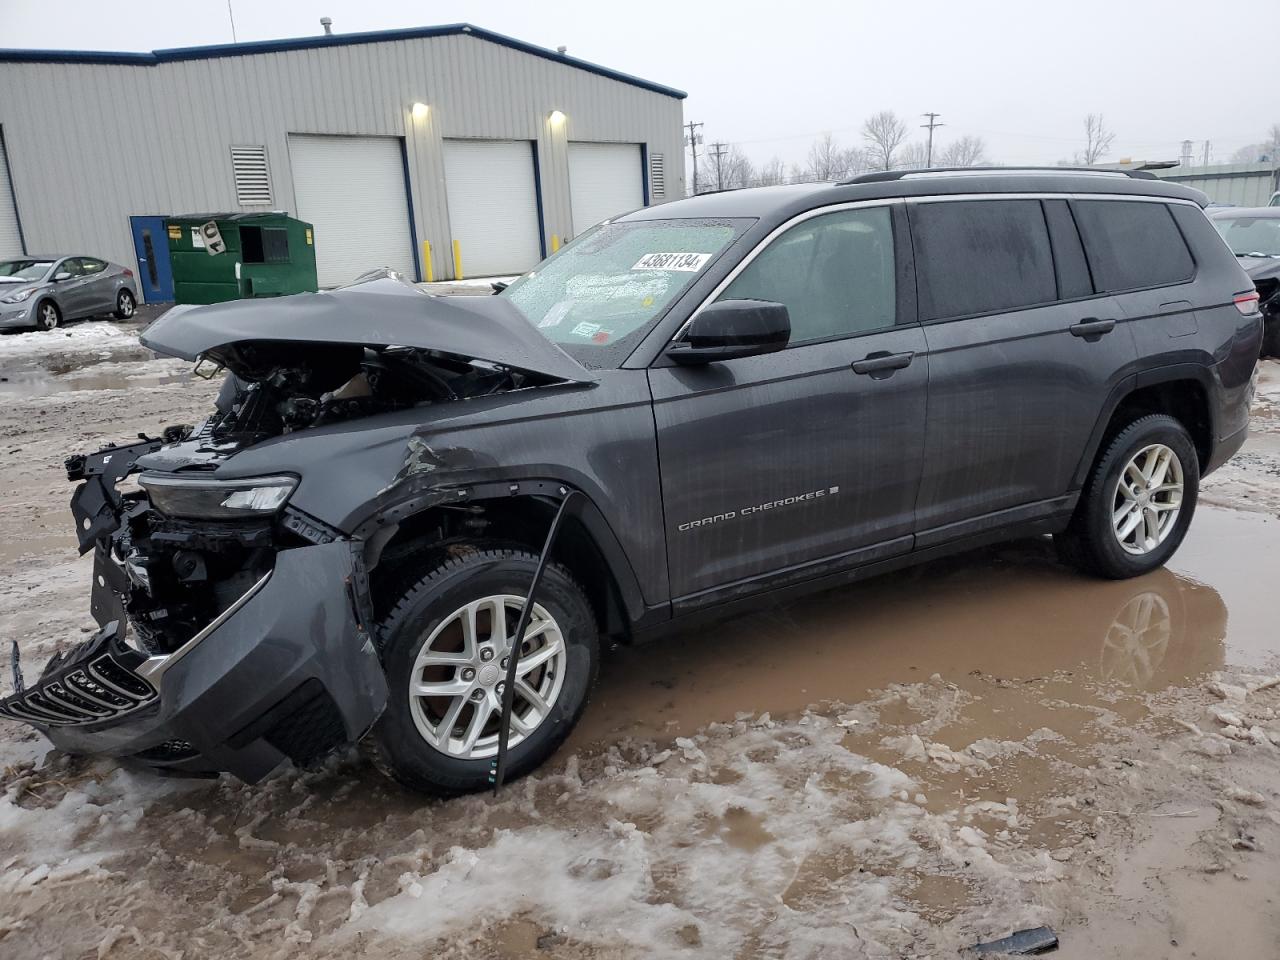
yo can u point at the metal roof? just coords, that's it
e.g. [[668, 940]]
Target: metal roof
[[175, 54]]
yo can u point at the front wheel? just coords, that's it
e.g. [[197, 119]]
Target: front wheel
[[47, 315], [1137, 503], [125, 305], [444, 647]]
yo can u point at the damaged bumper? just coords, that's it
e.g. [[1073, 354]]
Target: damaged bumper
[[287, 671]]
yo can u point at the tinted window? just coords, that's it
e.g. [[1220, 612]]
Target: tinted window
[[1132, 244], [978, 256], [834, 273], [70, 268], [89, 265]]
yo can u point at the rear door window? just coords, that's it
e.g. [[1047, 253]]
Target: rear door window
[[981, 256], [1132, 244], [90, 266]]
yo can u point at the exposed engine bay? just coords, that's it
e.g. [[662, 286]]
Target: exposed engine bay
[[275, 392], [185, 561]]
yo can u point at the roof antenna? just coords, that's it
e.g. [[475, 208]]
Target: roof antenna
[[327, 23], [231, 15]]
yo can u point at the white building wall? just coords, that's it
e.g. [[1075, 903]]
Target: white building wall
[[90, 144]]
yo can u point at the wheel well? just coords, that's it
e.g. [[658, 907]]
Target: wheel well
[[425, 539], [1184, 400]]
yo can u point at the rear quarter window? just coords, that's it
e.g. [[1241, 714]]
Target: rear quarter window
[[1132, 244], [981, 256]]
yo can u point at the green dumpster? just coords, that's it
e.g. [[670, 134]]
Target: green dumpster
[[229, 256]]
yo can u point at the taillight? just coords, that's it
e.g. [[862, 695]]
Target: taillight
[[1246, 303], [128, 272]]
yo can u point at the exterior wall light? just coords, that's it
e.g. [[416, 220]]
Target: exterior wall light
[[556, 117], [420, 111]]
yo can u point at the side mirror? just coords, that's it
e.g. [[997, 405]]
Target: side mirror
[[61, 275], [728, 329]]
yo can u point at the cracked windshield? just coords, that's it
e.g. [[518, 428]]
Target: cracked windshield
[[597, 296]]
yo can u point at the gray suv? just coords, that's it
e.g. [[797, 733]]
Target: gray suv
[[411, 520]]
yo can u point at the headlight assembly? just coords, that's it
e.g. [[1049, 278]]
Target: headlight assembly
[[217, 499], [18, 297]]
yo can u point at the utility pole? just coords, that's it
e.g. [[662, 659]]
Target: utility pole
[[1205, 162], [718, 150], [1186, 153], [933, 122], [694, 139]]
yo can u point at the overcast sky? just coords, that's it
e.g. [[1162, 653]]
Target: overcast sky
[[771, 76]]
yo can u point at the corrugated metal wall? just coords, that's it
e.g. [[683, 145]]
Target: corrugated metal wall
[[92, 144], [1239, 184]]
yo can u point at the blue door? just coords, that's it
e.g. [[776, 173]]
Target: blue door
[[151, 244]]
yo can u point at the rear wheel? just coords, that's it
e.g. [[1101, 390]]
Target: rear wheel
[[1137, 503], [48, 315], [125, 305], [445, 645]]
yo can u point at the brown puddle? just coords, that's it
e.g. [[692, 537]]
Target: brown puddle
[[1009, 612]]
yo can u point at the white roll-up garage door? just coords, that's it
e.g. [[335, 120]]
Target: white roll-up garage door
[[352, 190], [493, 205], [10, 239], [604, 181]]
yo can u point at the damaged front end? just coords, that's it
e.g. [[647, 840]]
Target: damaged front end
[[236, 623], [234, 632]]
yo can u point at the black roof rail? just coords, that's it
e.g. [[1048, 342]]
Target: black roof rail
[[885, 176]]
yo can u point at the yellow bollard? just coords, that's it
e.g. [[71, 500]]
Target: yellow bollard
[[457, 261], [555, 242], [427, 270]]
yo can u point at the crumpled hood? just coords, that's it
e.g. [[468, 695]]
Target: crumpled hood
[[380, 312]]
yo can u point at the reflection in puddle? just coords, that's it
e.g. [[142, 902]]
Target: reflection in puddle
[[1009, 612]]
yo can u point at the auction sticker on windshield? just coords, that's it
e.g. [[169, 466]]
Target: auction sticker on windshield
[[686, 262]]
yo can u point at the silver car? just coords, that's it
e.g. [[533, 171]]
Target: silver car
[[42, 292]]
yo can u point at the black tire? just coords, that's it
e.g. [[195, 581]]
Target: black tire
[[398, 748], [126, 305], [47, 315], [1090, 542]]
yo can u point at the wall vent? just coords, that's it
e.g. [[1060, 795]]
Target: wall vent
[[253, 182], [657, 176]]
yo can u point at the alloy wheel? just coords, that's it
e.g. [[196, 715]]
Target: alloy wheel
[[48, 316], [125, 305], [456, 684], [1147, 499]]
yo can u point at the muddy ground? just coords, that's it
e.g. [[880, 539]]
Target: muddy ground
[[899, 769]]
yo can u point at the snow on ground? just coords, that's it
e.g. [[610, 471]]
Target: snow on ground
[[82, 337]]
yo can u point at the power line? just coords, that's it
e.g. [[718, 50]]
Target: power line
[[933, 122], [693, 140], [231, 15], [718, 150]]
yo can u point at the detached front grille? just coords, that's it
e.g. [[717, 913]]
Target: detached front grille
[[94, 682]]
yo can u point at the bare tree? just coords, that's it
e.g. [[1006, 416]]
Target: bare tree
[[1268, 151], [827, 160], [737, 170], [1097, 140], [968, 151], [771, 173], [884, 133], [914, 156]]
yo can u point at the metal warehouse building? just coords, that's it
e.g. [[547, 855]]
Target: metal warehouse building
[[441, 152]]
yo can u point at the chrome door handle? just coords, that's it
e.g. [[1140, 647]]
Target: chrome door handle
[[882, 364], [1091, 328]]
